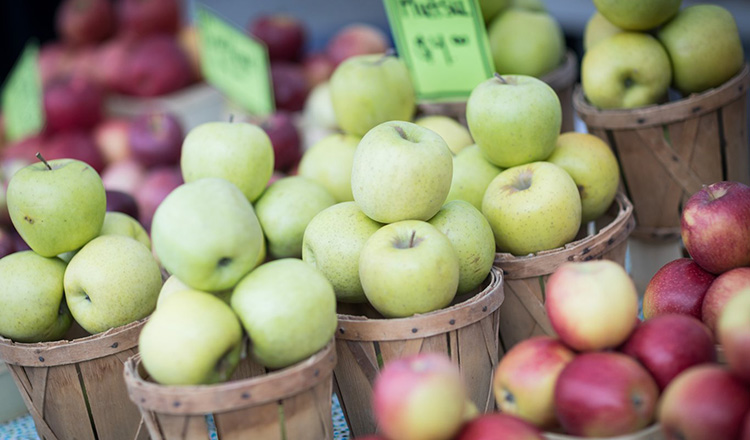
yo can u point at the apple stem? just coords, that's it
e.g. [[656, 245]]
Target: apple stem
[[411, 240], [500, 78], [401, 132], [388, 53], [231, 118], [39, 156]]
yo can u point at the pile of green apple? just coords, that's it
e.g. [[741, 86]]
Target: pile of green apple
[[636, 50]]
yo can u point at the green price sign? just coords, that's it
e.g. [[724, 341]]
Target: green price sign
[[234, 63], [444, 44], [22, 96]]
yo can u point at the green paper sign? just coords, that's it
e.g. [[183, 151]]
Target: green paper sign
[[235, 63], [22, 96], [444, 44]]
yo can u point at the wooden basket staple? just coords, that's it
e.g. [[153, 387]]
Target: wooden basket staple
[[668, 152], [653, 432], [74, 389], [291, 403], [522, 314], [467, 331]]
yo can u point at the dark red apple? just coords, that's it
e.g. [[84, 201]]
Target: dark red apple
[[122, 202], [285, 139], [356, 39], [669, 344], [159, 182], [19, 243], [318, 68], [72, 103], [23, 150], [289, 86], [715, 228], [498, 426], [677, 287], [80, 22], [74, 145], [141, 18], [724, 287], [283, 35], [155, 138], [7, 242], [153, 66], [112, 57], [55, 59]]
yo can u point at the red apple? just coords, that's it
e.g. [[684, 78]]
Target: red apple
[[283, 35], [112, 57], [285, 139], [669, 344], [524, 380], [22, 151], [72, 103], [86, 64], [74, 145], [724, 287], [745, 434], [604, 394], [154, 66], [356, 39], [187, 38], [318, 68], [7, 242], [126, 176], [289, 86], [677, 287], [80, 22], [122, 202], [715, 228], [19, 243], [705, 402], [419, 397], [733, 333], [111, 138], [159, 182], [141, 18], [497, 426], [155, 138], [55, 59]]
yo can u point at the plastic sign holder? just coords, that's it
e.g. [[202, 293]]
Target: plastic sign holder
[[22, 105]]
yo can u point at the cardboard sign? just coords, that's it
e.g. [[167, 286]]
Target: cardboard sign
[[234, 63], [22, 104], [444, 44]]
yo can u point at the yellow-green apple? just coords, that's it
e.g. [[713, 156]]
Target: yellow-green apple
[[638, 15], [111, 138], [206, 232], [604, 394], [408, 267], [455, 135], [329, 162], [532, 207], [704, 45], [31, 291], [677, 287], [597, 29], [705, 402], [172, 285], [356, 39], [471, 235], [118, 223], [332, 242], [137, 18], [724, 287], [515, 119], [714, 226], [284, 35], [318, 111], [669, 344], [491, 8], [533, 5], [288, 309], [285, 209], [592, 305], [401, 171], [593, 167], [419, 397], [526, 42], [156, 185], [524, 379], [472, 173], [81, 22], [626, 70], [155, 138], [112, 281], [192, 338], [499, 426], [56, 206], [733, 333], [367, 90], [236, 151]]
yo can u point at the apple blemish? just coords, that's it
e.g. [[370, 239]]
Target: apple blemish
[[224, 262]]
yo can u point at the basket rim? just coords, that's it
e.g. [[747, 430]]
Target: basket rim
[[231, 395], [692, 106], [64, 352], [565, 74], [649, 431], [584, 249]]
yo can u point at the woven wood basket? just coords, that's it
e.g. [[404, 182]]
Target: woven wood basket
[[467, 331], [668, 152], [291, 403], [653, 432], [74, 388], [562, 80], [522, 314]]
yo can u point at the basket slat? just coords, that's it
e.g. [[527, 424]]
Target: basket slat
[[262, 422], [738, 154], [305, 419], [436, 344], [182, 427], [64, 407], [477, 364], [352, 375]]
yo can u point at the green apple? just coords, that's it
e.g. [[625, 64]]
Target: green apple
[[526, 42], [515, 119], [172, 285], [532, 208], [239, 152], [455, 135], [329, 162], [207, 233], [626, 70], [367, 90], [288, 309], [593, 167], [401, 171], [471, 235], [285, 209], [409, 267], [118, 223], [472, 172], [192, 338], [704, 45], [533, 5], [112, 281], [490, 8], [31, 292], [318, 110], [598, 29], [332, 243], [56, 206], [637, 15]]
